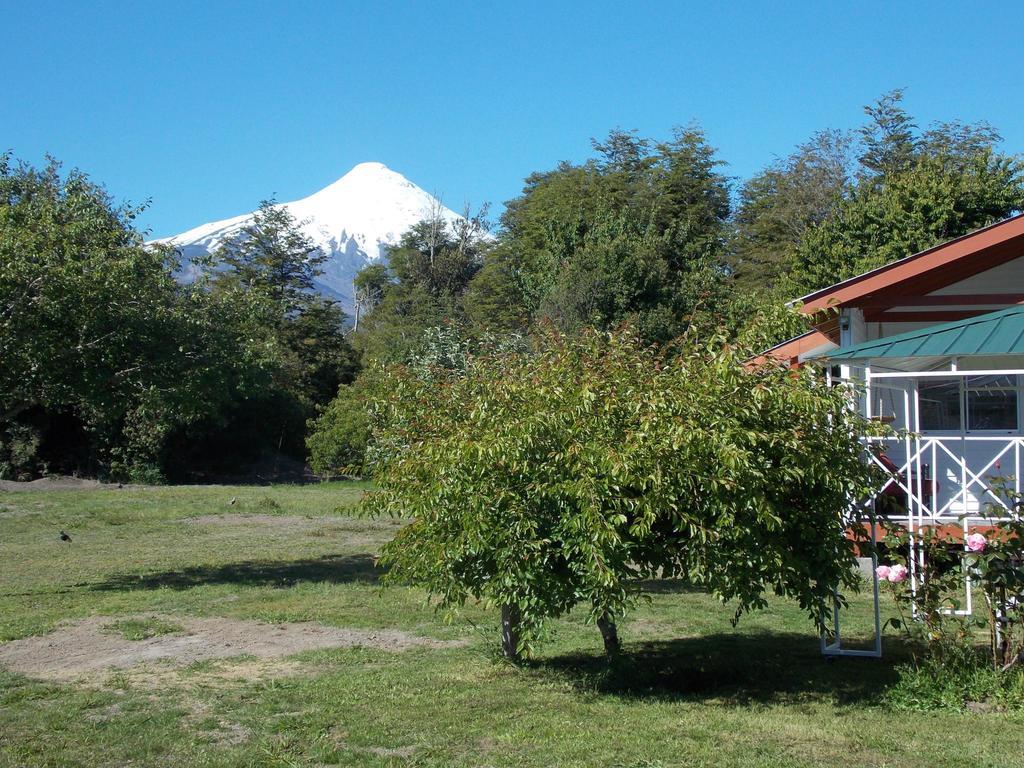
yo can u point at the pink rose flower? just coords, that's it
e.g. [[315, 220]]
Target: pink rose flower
[[897, 574], [976, 542], [882, 572]]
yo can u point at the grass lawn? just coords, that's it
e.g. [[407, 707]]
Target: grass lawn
[[385, 680]]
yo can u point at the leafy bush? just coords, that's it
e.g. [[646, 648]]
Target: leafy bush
[[962, 678], [337, 442], [541, 480], [19, 446], [97, 333], [954, 669]]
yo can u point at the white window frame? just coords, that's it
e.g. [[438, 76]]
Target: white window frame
[[963, 380]]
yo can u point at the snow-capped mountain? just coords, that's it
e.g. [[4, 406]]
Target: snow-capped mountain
[[352, 220]]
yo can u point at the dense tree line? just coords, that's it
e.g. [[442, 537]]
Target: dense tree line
[[108, 365]]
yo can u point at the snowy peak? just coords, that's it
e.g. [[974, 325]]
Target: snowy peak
[[373, 178], [352, 220]]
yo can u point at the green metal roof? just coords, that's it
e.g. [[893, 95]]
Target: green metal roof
[[994, 333]]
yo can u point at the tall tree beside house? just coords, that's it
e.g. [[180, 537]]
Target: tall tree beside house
[[937, 199], [889, 140], [848, 202], [778, 206]]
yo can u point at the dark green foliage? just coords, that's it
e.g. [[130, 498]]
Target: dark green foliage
[[99, 346], [275, 265], [19, 451], [779, 205], [338, 436], [273, 257], [316, 357], [818, 217], [889, 140], [938, 198], [427, 276], [636, 234], [369, 286], [493, 302], [108, 365]]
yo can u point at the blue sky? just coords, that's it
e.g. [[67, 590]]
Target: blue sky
[[208, 107]]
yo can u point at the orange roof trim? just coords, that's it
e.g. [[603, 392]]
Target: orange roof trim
[[789, 351], [989, 247]]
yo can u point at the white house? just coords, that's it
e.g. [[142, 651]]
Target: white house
[[934, 344]]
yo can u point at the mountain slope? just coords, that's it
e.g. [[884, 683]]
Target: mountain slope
[[352, 220]]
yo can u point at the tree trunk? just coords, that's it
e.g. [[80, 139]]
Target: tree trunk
[[510, 619], [610, 634]]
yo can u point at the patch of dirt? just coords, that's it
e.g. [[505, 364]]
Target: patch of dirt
[[83, 648], [257, 518], [168, 673], [55, 483]]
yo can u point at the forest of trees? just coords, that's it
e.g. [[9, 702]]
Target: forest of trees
[[109, 366]]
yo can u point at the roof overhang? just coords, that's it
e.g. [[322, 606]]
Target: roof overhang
[[995, 334], [794, 351], [926, 271]]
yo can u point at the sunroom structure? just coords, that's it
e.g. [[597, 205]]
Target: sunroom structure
[[932, 345]]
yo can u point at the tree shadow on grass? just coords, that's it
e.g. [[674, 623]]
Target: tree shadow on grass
[[736, 668], [668, 587], [332, 569]]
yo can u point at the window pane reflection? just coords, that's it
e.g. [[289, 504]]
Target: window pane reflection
[[939, 402]]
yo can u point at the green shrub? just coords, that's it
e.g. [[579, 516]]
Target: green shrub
[[19, 445], [955, 682], [540, 480], [337, 443]]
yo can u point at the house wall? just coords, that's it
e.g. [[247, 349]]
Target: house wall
[[1006, 278]]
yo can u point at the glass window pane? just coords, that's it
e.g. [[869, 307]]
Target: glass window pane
[[992, 403], [939, 403]]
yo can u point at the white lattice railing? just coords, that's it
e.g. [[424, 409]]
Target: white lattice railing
[[952, 479]]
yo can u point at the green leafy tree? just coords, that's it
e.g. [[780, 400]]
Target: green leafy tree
[[368, 288], [635, 234], [339, 435], [820, 216], [540, 480], [275, 264], [493, 301], [889, 140], [779, 205], [271, 255], [427, 275], [937, 199], [102, 353]]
